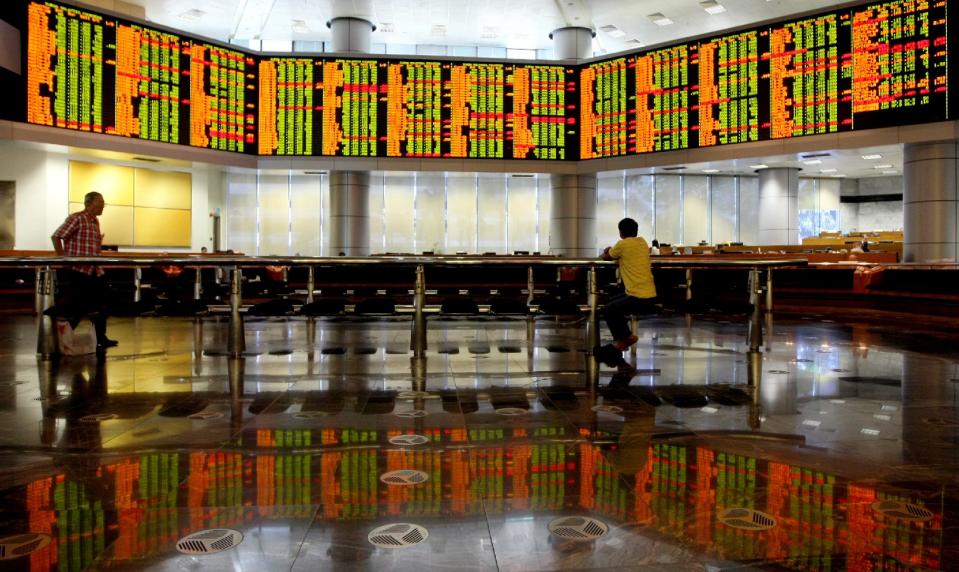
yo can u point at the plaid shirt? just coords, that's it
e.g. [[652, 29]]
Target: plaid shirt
[[81, 236]]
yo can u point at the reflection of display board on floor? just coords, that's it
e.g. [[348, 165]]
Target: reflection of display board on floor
[[8, 219], [144, 207]]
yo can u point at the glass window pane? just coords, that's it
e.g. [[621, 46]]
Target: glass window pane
[[748, 209], [808, 200], [639, 204], [430, 50], [398, 209], [461, 213], [829, 208], [377, 221], [463, 51], [695, 209], [490, 52], [521, 214], [274, 208], [520, 54], [668, 209], [306, 193], [430, 218], [377, 48], [723, 209], [545, 185], [241, 212], [404, 49], [610, 208], [491, 226], [281, 46]]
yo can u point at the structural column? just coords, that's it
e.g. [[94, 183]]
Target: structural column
[[778, 206], [573, 208], [930, 201], [349, 230]]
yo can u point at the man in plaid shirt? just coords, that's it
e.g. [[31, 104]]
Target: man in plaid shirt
[[79, 235]]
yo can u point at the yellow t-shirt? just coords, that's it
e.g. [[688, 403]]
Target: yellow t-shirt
[[634, 267]]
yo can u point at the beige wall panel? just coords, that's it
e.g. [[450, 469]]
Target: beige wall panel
[[116, 224], [162, 189], [162, 227], [113, 182]]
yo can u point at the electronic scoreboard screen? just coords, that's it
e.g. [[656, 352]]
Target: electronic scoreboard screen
[[99, 74], [874, 65], [405, 108]]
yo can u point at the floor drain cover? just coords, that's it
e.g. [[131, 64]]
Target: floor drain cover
[[511, 411], [746, 519], [98, 417], [404, 477], [22, 544], [398, 535], [409, 440], [614, 409], [578, 528], [412, 413], [412, 395], [205, 415], [209, 541], [902, 510], [310, 414]]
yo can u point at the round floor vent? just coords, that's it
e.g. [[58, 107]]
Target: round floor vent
[[209, 541], [511, 411], [409, 440], [411, 414], [580, 528], [310, 414], [98, 417], [205, 415], [746, 519], [902, 510], [412, 395], [398, 535], [614, 409], [404, 477], [22, 544]]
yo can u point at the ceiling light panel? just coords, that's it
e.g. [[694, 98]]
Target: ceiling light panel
[[660, 19], [712, 7]]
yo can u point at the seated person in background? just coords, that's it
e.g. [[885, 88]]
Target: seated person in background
[[861, 247], [632, 254], [654, 249]]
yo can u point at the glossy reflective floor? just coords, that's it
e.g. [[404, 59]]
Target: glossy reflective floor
[[850, 456]]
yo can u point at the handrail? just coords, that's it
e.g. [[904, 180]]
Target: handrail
[[261, 261]]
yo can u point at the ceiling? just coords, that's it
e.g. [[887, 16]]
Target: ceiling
[[500, 23]]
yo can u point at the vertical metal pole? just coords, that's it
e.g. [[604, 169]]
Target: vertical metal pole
[[37, 292], [198, 284], [592, 327], [310, 284], [769, 289], [237, 341], [47, 345], [418, 339], [236, 369], [756, 321], [137, 283], [310, 344], [754, 379], [530, 286], [689, 284]]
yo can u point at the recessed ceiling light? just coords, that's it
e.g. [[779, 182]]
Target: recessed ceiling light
[[712, 6], [660, 19], [385, 27], [813, 162], [194, 14], [828, 170], [489, 32], [633, 42], [612, 31], [885, 166], [300, 27], [872, 157], [438, 30], [759, 166], [890, 172], [710, 170]]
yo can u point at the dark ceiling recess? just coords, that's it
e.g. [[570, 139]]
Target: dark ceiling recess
[[872, 198]]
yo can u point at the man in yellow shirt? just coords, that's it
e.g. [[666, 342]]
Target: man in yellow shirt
[[632, 254]]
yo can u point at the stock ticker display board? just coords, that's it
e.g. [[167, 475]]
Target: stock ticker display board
[[873, 65], [404, 108]]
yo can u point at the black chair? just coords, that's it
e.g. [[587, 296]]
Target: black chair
[[324, 307]]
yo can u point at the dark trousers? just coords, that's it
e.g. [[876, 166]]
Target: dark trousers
[[85, 294], [620, 306]]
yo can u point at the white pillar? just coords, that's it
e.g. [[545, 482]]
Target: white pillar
[[930, 202], [572, 43], [350, 190], [778, 206], [572, 229]]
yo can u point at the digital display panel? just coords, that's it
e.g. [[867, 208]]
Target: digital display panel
[[875, 65], [99, 74], [420, 109]]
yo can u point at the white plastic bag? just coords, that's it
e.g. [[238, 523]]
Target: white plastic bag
[[78, 341]]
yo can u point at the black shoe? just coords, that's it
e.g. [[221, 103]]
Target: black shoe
[[107, 343]]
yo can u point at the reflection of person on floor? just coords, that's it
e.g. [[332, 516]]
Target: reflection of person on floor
[[632, 254]]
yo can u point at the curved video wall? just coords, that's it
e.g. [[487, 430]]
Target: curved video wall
[[872, 65]]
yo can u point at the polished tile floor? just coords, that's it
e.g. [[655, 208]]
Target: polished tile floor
[[849, 460]]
